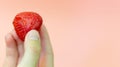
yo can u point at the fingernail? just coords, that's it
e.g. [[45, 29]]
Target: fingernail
[[32, 35], [32, 39]]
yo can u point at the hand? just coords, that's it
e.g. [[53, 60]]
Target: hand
[[35, 51]]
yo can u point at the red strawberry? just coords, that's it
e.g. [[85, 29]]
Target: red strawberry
[[26, 21]]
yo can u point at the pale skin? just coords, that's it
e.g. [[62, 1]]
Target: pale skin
[[35, 51]]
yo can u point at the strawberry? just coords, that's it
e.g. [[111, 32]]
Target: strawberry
[[26, 21]]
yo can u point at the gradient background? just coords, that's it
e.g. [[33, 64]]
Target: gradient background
[[84, 33]]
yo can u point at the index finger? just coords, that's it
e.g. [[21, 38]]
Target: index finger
[[47, 58]]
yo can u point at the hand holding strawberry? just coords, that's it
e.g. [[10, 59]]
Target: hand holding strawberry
[[28, 45]]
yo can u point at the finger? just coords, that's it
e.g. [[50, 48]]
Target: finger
[[11, 52], [19, 44], [46, 59], [32, 47]]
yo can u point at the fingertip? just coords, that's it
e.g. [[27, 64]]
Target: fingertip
[[33, 35], [43, 30], [7, 36], [32, 40], [9, 40], [15, 36], [13, 33]]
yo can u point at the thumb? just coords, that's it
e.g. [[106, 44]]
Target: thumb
[[32, 47]]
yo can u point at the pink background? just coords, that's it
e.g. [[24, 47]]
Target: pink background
[[84, 33]]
